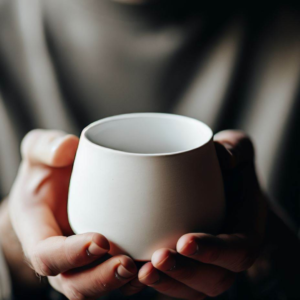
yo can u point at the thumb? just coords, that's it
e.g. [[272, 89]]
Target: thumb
[[58, 254], [49, 147]]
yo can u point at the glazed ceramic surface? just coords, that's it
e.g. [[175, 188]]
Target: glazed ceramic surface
[[143, 180]]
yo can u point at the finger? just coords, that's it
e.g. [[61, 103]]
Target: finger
[[246, 204], [133, 287], [234, 252], [148, 275], [208, 279], [58, 254], [55, 282], [233, 148], [52, 148], [99, 280]]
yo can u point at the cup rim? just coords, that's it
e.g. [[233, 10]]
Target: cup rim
[[148, 114]]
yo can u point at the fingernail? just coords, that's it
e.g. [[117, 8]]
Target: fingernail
[[155, 278], [152, 278], [123, 273], [164, 261], [95, 250], [190, 248], [148, 275]]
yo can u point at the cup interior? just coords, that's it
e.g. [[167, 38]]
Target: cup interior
[[149, 133]]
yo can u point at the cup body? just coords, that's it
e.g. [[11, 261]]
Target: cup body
[[129, 185]]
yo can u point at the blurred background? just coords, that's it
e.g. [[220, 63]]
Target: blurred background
[[67, 63]]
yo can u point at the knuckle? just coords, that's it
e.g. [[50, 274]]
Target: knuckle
[[40, 265], [100, 284], [42, 268], [31, 134], [27, 140]]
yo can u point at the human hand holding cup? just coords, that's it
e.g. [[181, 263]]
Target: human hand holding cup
[[38, 210]]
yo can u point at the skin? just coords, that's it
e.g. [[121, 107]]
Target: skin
[[78, 265], [206, 265], [38, 213]]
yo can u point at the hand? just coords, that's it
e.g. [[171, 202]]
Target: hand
[[38, 211], [204, 264]]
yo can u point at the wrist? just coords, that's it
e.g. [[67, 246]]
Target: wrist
[[22, 276]]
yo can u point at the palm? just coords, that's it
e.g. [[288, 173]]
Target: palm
[[57, 186]]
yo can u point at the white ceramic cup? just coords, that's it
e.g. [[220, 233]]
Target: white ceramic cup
[[145, 179]]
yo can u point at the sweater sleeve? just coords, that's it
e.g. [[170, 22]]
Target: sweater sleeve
[[5, 282]]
